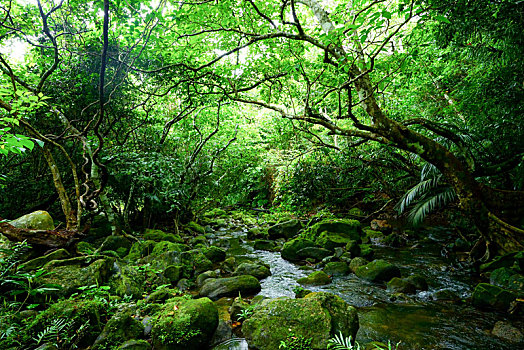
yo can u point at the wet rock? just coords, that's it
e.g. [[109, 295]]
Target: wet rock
[[490, 296], [381, 225], [291, 248], [356, 263], [41, 261], [348, 228], [37, 220], [229, 265], [287, 229], [507, 278], [317, 278], [507, 260], [198, 240], [366, 251], [418, 281], [400, 285], [301, 292], [353, 248], [254, 233], [507, 332], [159, 236], [140, 250], [394, 240], [318, 316], [378, 271], [120, 328], [236, 309], [215, 288], [161, 295], [256, 270], [184, 324], [196, 259], [314, 253], [206, 275], [196, 228], [262, 244], [336, 268]]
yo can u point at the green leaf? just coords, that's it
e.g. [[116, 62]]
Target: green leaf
[[443, 19]]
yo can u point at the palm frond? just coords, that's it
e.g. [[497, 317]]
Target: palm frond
[[431, 202], [415, 192], [339, 342]]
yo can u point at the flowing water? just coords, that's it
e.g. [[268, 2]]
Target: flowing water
[[418, 322]]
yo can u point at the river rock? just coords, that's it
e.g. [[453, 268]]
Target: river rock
[[356, 263], [291, 248], [401, 285], [318, 316], [126, 280], [159, 236], [216, 288], [317, 278], [330, 240], [37, 220], [118, 244], [507, 278], [315, 253], [490, 296], [336, 268], [214, 254], [120, 328], [184, 324], [507, 332], [378, 271], [256, 270], [348, 228], [287, 229], [418, 281]]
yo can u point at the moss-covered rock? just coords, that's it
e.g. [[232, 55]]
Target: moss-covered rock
[[507, 278], [76, 313], [199, 240], [196, 259], [216, 212], [378, 271], [366, 251], [255, 232], [118, 244], [140, 250], [489, 296], [165, 246], [508, 260], [196, 228], [120, 328], [37, 220], [291, 248], [330, 240], [184, 324], [84, 248], [216, 288], [356, 263], [73, 273], [318, 316], [135, 345], [286, 229], [256, 270], [215, 254], [317, 278], [126, 280], [315, 253], [348, 228], [159, 236], [418, 281], [204, 276], [336, 268], [401, 285], [41, 261]]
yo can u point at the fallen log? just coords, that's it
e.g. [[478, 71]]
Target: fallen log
[[46, 238]]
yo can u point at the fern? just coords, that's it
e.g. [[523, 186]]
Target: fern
[[430, 203], [51, 334], [339, 342]]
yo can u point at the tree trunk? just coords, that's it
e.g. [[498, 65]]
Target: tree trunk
[[49, 239]]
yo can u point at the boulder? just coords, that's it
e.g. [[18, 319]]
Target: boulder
[[256, 270], [353, 248], [401, 285], [37, 220], [315, 253], [214, 254], [356, 263], [76, 272], [317, 278], [318, 316], [196, 228], [291, 248], [330, 240], [204, 276], [366, 251], [507, 278], [287, 229], [216, 288], [418, 281], [159, 236], [196, 260], [120, 328], [336, 268], [140, 250], [41, 261], [263, 244], [378, 271], [507, 260], [490, 296], [118, 244], [254, 233], [508, 332], [349, 228], [126, 280], [184, 324]]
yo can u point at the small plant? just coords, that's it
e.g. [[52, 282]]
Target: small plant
[[61, 333], [245, 313], [296, 342], [339, 342]]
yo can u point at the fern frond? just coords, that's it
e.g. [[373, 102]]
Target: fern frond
[[339, 342], [415, 192]]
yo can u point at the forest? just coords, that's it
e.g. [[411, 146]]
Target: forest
[[261, 174]]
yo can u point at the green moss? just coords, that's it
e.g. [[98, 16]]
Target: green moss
[[196, 228], [165, 246], [348, 228], [140, 249], [215, 254], [159, 236], [317, 278], [291, 248], [121, 327]]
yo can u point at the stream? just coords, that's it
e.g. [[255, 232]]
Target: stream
[[419, 321]]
